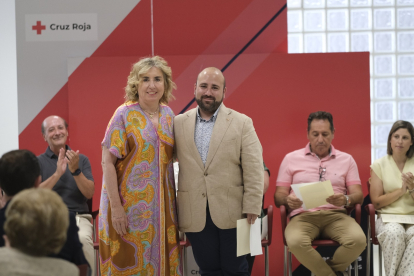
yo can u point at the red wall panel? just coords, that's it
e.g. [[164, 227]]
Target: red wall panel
[[278, 93]]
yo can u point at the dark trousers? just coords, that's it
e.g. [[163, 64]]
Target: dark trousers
[[215, 251]]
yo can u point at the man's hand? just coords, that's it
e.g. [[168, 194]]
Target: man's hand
[[251, 218], [61, 163], [73, 160], [119, 220], [337, 200], [293, 202]]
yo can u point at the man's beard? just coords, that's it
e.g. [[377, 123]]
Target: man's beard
[[210, 107]]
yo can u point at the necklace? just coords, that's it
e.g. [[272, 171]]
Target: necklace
[[151, 114]]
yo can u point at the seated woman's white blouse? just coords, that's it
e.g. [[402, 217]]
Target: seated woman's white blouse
[[386, 169]]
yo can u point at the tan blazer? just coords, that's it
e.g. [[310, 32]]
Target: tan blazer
[[232, 178]]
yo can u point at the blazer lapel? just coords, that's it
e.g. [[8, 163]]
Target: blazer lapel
[[189, 128], [220, 127]]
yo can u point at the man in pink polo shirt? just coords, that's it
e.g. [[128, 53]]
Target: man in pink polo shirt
[[320, 161]]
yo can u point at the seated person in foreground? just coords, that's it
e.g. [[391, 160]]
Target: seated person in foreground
[[320, 161], [20, 170], [392, 192], [36, 226]]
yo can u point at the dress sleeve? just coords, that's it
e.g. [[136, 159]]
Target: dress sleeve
[[376, 167], [115, 135]]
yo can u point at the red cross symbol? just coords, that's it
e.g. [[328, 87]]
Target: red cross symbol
[[39, 27]]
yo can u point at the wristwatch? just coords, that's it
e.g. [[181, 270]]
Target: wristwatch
[[348, 201], [77, 172]]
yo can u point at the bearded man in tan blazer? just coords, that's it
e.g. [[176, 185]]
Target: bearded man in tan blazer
[[220, 176]]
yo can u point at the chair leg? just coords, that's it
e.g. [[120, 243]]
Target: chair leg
[[184, 263], [285, 266], [368, 261], [356, 267], [267, 260], [380, 259], [290, 264]]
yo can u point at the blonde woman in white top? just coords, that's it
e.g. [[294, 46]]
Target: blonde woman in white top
[[392, 192]]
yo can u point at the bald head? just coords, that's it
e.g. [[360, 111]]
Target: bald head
[[209, 91], [55, 132], [50, 118], [213, 71]]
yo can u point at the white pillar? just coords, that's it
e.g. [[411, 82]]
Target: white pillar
[[9, 133]]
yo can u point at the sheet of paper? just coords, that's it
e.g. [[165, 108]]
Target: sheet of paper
[[255, 238], [243, 237], [295, 188], [407, 219], [313, 194], [264, 227]]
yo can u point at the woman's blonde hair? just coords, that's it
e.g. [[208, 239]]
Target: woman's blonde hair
[[37, 221], [142, 67]]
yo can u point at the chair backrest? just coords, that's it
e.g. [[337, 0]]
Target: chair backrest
[[371, 212], [269, 212], [83, 269], [89, 202], [283, 220]]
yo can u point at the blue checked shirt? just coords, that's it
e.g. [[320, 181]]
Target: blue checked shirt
[[202, 133]]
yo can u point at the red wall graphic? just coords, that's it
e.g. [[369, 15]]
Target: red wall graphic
[[278, 94], [243, 38]]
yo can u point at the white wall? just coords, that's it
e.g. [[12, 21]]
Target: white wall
[[9, 134]]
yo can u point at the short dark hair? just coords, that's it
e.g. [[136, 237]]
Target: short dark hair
[[321, 115], [19, 170], [64, 121], [396, 126]]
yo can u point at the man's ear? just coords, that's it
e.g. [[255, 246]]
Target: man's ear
[[38, 181]]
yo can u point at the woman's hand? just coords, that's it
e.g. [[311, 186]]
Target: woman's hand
[[408, 180], [119, 220], [403, 189]]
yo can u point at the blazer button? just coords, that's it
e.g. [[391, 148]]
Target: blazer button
[[205, 174], [204, 195]]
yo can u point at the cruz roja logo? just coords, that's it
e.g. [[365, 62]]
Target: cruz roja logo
[[38, 27], [58, 27], [80, 27]]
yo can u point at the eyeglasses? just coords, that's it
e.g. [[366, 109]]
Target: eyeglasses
[[322, 172]]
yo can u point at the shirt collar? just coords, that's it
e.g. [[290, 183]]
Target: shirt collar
[[49, 153], [332, 151], [213, 118]]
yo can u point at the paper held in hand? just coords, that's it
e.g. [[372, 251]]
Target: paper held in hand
[[249, 237], [406, 219], [313, 194]]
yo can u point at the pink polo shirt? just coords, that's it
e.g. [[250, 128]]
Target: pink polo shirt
[[302, 166]]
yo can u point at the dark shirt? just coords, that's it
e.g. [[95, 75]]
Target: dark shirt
[[66, 186], [2, 220], [71, 250]]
